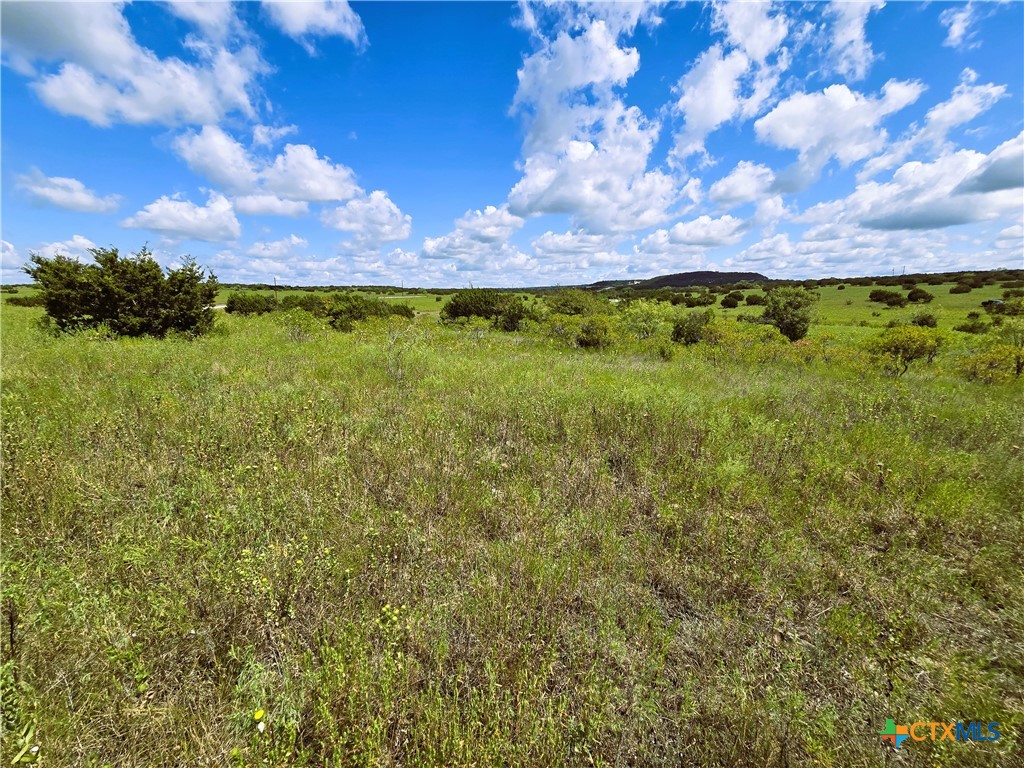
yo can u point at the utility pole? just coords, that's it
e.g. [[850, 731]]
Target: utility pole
[[276, 297]]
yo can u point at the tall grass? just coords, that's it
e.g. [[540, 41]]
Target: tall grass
[[461, 548]]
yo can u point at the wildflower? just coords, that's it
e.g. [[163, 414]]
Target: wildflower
[[258, 715]]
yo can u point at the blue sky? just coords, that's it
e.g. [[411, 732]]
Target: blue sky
[[448, 144]]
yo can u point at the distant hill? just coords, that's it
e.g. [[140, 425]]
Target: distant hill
[[681, 280]]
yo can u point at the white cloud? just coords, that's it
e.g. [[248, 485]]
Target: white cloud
[[578, 250], [267, 136], [966, 103], [270, 205], [835, 123], [1011, 238], [479, 242], [1002, 170], [299, 173], [373, 219], [316, 18], [77, 247], [105, 76], [702, 232], [70, 194], [723, 85], [10, 261], [182, 219], [219, 157], [932, 196], [276, 249], [749, 27], [747, 183], [709, 95], [850, 50], [215, 18], [958, 21]]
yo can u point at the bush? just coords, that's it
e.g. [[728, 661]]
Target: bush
[[896, 348], [36, 300], [840, 287], [703, 299], [131, 296], [924, 320], [960, 288], [989, 367], [789, 310], [972, 326], [249, 303], [349, 308], [757, 300], [513, 315], [643, 318], [574, 301], [317, 305], [919, 296], [694, 327], [889, 298], [475, 302], [728, 302], [1013, 293], [595, 333]]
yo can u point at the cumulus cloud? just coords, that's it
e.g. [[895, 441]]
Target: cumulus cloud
[[276, 249], [578, 250], [752, 27], [270, 205], [850, 50], [373, 219], [835, 123], [215, 19], [183, 219], [61, 192], [77, 247], [702, 232], [929, 196], [298, 173], [1002, 170], [308, 19], [480, 242], [967, 102], [104, 76], [214, 154], [725, 84], [748, 182]]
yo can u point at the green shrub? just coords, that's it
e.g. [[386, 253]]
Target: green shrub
[[757, 300], [728, 302], [574, 301], [924, 320], [889, 298], [1013, 293], [249, 303], [349, 308], [317, 305], [789, 310], [36, 300], [595, 333], [972, 326], [919, 296], [895, 349], [487, 303], [131, 296], [694, 327], [960, 288]]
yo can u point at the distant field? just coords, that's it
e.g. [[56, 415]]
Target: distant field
[[436, 546]]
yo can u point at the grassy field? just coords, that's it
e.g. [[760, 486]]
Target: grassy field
[[448, 546]]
